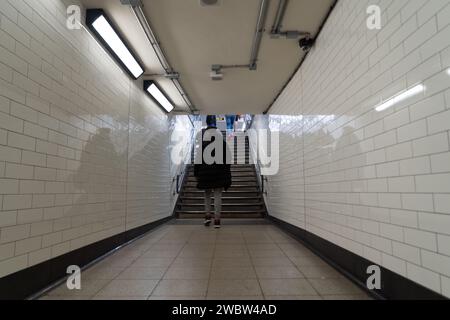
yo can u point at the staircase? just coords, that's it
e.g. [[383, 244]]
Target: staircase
[[243, 200]]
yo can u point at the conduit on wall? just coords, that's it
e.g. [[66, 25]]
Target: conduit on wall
[[136, 7]]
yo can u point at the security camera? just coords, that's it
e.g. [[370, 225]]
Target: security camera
[[306, 43]]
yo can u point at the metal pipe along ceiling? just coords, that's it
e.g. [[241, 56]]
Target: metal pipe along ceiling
[[152, 38], [276, 28], [259, 33], [278, 24]]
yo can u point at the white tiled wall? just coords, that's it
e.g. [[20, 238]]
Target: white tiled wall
[[83, 152], [375, 183]]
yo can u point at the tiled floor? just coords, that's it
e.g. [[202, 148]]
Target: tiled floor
[[251, 262]]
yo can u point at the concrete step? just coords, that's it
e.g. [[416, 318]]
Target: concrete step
[[225, 200], [224, 215], [235, 167], [243, 200], [226, 207], [236, 180], [234, 174], [236, 194], [236, 185], [233, 188]]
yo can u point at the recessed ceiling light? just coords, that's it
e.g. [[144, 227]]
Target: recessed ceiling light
[[158, 95], [99, 23]]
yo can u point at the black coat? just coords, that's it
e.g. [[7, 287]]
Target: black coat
[[216, 175]]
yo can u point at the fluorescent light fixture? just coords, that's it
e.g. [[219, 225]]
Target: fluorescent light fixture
[[448, 71], [400, 97], [158, 95], [99, 23]]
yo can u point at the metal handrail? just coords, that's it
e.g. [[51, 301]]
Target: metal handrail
[[263, 181], [249, 121], [178, 178]]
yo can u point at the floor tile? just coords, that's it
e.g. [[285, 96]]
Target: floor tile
[[126, 255], [197, 253], [231, 262], [142, 273], [258, 239], [164, 298], [292, 298], [220, 288], [100, 273], [152, 262], [230, 246], [88, 289], [167, 247], [192, 262], [235, 298], [287, 287], [230, 240], [231, 253], [183, 288], [116, 262], [60, 298], [262, 246], [199, 246], [128, 288], [233, 273], [335, 286], [278, 273], [184, 273], [250, 262], [272, 262], [160, 253], [202, 239], [108, 298], [347, 297], [267, 254]]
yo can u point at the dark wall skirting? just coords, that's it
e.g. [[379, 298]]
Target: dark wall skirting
[[354, 267], [27, 282]]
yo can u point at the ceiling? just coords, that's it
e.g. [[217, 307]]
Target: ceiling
[[195, 37]]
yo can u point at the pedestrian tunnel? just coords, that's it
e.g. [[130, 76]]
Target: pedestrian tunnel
[[332, 118]]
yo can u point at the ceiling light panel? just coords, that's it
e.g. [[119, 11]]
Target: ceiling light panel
[[158, 95], [99, 23]]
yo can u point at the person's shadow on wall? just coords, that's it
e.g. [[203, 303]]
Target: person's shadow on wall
[[99, 186]]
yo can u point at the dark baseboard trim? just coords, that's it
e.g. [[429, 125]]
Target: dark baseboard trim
[[27, 282], [354, 267]]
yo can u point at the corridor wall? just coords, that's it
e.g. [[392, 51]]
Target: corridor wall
[[83, 151], [374, 183]]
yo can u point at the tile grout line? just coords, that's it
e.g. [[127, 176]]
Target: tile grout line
[[104, 258], [211, 266], [173, 260], [295, 265], [126, 267], [186, 239], [162, 276], [254, 269], [322, 296]]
